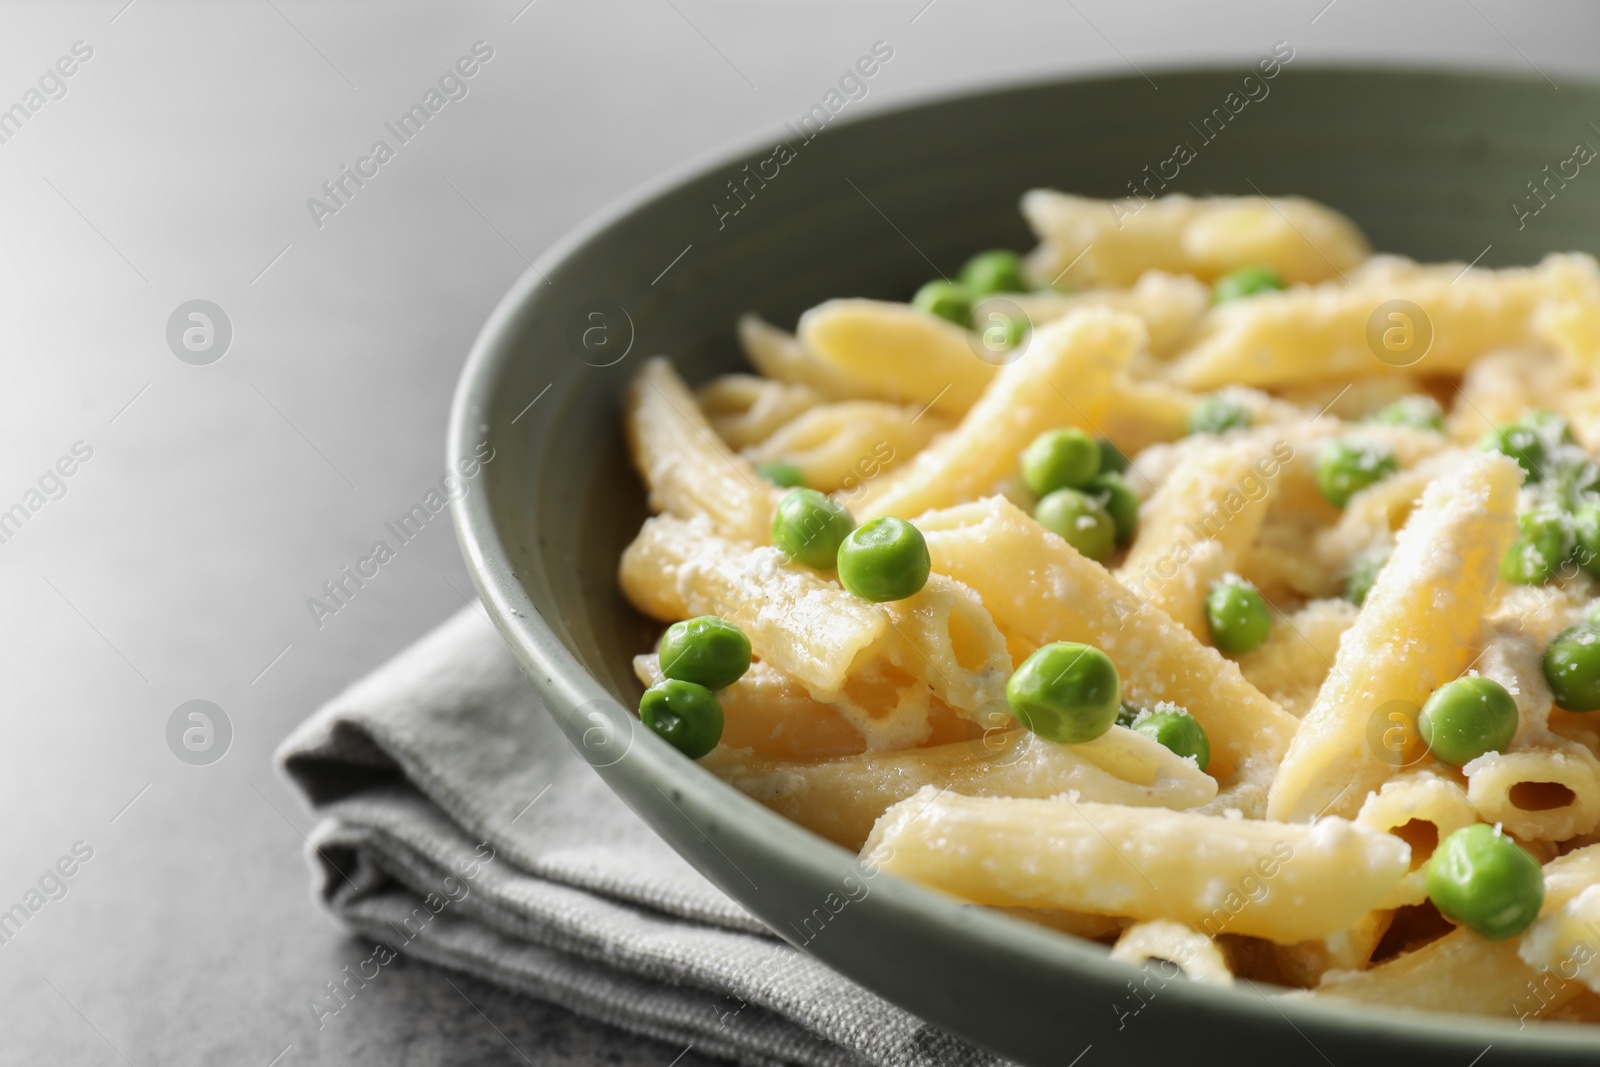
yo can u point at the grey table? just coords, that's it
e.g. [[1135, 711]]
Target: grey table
[[168, 153]]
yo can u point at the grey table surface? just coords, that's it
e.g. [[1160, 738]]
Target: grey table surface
[[175, 563]]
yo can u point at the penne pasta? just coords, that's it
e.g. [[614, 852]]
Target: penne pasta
[[1199, 584], [803, 625], [844, 447], [745, 410], [1292, 664], [688, 469], [1197, 527], [1280, 881], [884, 668], [1112, 242], [841, 798], [1059, 380], [1413, 635], [778, 355], [1065, 597], [1171, 306], [902, 352], [1194, 953], [1323, 331], [1421, 808], [1462, 972], [1549, 793]]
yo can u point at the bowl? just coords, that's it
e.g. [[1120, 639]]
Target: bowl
[[1432, 164]]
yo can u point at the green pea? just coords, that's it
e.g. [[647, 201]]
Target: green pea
[[994, 272], [1346, 467], [1418, 411], [1060, 459], [1363, 572], [1127, 713], [1178, 732], [1080, 520], [686, 715], [1112, 461], [948, 300], [1066, 692], [1586, 532], [809, 527], [1485, 881], [1119, 501], [709, 651], [1465, 718], [1544, 542], [1218, 414], [1246, 281], [1572, 667], [1238, 617], [781, 474], [885, 559], [1521, 444]]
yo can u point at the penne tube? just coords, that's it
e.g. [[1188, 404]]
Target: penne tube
[[1421, 808], [1060, 380], [1549, 793], [688, 469], [902, 352], [776, 354], [1161, 939], [1462, 972], [1279, 881], [1414, 633], [796, 620], [884, 667], [1373, 516], [1294, 661], [841, 798], [1329, 331], [1139, 412], [1039, 589], [1217, 499], [844, 447], [1112, 242], [745, 410], [1171, 305]]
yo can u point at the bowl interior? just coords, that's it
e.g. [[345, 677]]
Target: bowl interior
[[1435, 165]]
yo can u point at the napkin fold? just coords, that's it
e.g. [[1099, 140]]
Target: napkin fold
[[459, 827]]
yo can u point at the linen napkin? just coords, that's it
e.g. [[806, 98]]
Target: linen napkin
[[460, 828]]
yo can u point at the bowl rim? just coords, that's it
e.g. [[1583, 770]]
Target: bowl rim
[[559, 678]]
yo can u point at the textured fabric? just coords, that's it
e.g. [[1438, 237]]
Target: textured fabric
[[460, 828]]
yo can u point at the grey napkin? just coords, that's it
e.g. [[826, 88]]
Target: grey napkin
[[460, 828]]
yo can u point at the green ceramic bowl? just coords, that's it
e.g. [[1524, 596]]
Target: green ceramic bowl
[[1428, 162]]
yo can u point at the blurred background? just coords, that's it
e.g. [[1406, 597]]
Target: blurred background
[[245, 389]]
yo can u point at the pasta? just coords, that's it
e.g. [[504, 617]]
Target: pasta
[[1198, 583], [745, 410], [1282, 881], [1413, 635], [1112, 243], [842, 798]]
